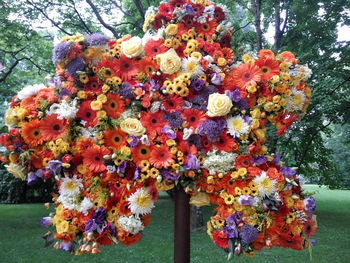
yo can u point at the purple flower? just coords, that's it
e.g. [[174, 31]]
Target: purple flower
[[189, 9], [194, 139], [234, 219], [60, 51], [55, 82], [174, 119], [169, 132], [126, 91], [170, 176], [246, 200], [259, 160], [64, 92], [230, 232], [121, 167], [287, 172], [248, 234], [54, 166], [207, 90], [212, 129], [277, 159], [137, 173], [192, 163], [66, 246], [216, 79], [75, 65], [154, 84], [134, 141], [197, 84], [242, 104], [310, 204], [18, 148], [46, 221], [33, 176], [97, 39], [97, 222]]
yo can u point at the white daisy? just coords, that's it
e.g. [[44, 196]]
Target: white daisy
[[191, 65], [296, 101], [70, 186], [266, 186], [131, 224], [237, 125], [71, 202], [140, 202]]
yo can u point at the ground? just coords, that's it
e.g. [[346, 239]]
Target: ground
[[20, 237]]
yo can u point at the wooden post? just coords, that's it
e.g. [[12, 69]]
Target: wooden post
[[182, 227]]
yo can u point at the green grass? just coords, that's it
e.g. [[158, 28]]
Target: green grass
[[20, 237]]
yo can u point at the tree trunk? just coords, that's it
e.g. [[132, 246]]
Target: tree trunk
[[256, 8]]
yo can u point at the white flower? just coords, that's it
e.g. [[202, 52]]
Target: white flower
[[64, 110], [266, 186], [131, 224], [219, 162], [29, 91], [85, 205], [140, 202], [296, 101], [71, 202], [70, 186], [191, 65], [187, 133], [236, 126]]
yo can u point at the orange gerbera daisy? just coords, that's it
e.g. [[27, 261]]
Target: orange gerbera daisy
[[266, 54], [227, 53], [31, 133], [310, 227], [53, 128], [246, 74], [30, 104], [127, 67], [148, 65], [153, 121], [161, 157], [207, 29], [193, 117], [47, 94], [114, 105], [115, 138], [269, 68], [86, 114], [82, 144], [93, 158], [141, 152], [154, 47]]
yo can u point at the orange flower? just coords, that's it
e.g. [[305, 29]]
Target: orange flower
[[115, 138], [86, 114], [148, 66], [30, 104], [266, 54], [310, 227], [53, 128], [153, 121], [288, 57], [227, 53], [141, 152], [269, 68], [274, 174], [127, 67], [114, 105], [82, 144], [226, 143], [154, 47], [47, 94], [220, 239], [161, 157], [127, 238], [93, 158], [207, 29], [246, 74], [31, 133]]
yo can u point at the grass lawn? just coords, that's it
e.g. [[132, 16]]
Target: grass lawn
[[20, 237]]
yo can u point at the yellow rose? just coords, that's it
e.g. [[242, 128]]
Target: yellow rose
[[200, 199], [96, 105], [132, 127], [218, 105], [169, 62], [171, 30], [132, 47]]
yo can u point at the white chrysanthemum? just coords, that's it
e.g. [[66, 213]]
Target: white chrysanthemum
[[29, 91], [296, 101], [64, 110], [85, 205], [266, 186], [70, 186], [219, 162], [71, 202], [236, 126], [191, 65], [131, 224], [140, 202]]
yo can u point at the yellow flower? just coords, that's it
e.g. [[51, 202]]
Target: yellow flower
[[83, 78], [169, 62], [218, 105], [16, 170], [11, 117], [125, 150], [102, 98], [96, 105], [101, 114], [222, 62], [171, 30], [132, 126], [82, 94], [196, 55], [132, 47], [200, 199]]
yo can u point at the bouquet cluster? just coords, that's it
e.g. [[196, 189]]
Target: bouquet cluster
[[124, 119]]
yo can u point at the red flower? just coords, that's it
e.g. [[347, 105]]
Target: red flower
[[127, 67], [155, 47], [148, 66], [206, 145], [173, 103], [207, 29], [220, 239], [86, 114], [153, 121], [269, 68], [161, 157], [310, 227], [226, 143], [219, 14], [93, 85], [247, 74], [193, 117], [115, 138], [186, 149], [140, 153], [114, 105], [53, 128], [93, 158], [243, 161]]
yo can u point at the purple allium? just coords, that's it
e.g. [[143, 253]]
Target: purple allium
[[60, 51], [212, 129], [230, 232], [126, 91], [248, 234], [54, 166], [169, 132], [174, 119], [207, 90], [310, 204], [66, 246], [287, 172], [168, 175], [197, 84], [259, 160], [97, 39], [75, 65], [192, 163], [134, 141], [245, 200], [216, 79], [46, 221]]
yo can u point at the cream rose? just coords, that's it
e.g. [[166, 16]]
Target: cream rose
[[169, 62], [132, 126], [218, 105], [132, 47]]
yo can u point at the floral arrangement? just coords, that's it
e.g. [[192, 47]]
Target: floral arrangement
[[124, 119]]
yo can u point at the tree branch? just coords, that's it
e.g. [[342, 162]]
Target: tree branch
[[240, 28], [100, 19], [120, 7], [129, 23], [8, 73], [140, 8], [80, 18]]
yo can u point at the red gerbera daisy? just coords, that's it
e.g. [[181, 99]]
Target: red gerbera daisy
[[188, 21], [227, 53], [140, 153], [93, 85], [206, 145], [173, 103], [207, 29], [148, 65], [243, 161], [153, 121], [93, 158], [219, 14], [86, 114], [115, 138], [82, 144], [177, 3], [128, 67], [193, 117], [226, 143], [269, 68], [246, 74], [220, 239], [186, 149], [160, 20], [114, 105], [310, 227], [31, 133], [154, 47], [161, 157], [53, 128]]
